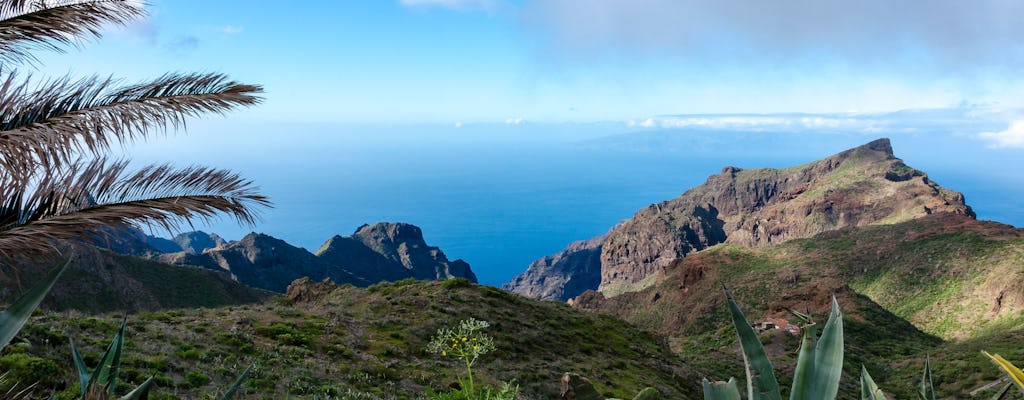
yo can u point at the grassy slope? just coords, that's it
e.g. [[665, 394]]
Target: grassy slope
[[371, 341], [101, 281], [941, 273]]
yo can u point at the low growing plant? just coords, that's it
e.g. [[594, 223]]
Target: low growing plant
[[467, 342]]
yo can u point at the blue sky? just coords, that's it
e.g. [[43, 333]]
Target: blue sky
[[508, 128], [448, 61]]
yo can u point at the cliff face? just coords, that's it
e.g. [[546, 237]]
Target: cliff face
[[563, 275], [392, 251], [757, 207], [381, 252]]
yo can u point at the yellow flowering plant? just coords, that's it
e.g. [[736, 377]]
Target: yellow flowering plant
[[466, 342]]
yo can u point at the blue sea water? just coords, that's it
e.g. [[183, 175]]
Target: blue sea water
[[502, 196]]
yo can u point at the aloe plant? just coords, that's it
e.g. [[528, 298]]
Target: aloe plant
[[868, 389], [15, 316], [101, 381], [819, 365]]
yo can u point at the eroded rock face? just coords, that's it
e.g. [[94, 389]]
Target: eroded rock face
[[562, 276], [380, 252], [757, 207]]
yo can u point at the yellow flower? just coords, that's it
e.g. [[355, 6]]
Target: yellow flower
[[444, 353], [464, 339]]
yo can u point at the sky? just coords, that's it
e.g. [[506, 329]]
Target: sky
[[473, 61], [369, 104]]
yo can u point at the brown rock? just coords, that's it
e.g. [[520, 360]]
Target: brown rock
[[576, 387]]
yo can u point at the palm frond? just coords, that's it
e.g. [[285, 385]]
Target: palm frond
[[87, 197], [47, 123], [26, 25]]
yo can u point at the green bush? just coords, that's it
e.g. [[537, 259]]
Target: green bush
[[195, 379]]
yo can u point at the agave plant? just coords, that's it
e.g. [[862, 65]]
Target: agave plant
[[818, 370], [100, 382]]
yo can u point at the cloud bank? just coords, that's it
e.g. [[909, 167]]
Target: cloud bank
[[1011, 137], [933, 33]]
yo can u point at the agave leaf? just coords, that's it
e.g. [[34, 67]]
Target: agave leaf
[[15, 316], [721, 390], [141, 392], [1015, 374], [927, 385], [828, 356], [761, 382], [1002, 393], [803, 375], [238, 383], [868, 389], [106, 372], [84, 376]]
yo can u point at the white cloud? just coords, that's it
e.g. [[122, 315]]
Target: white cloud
[[231, 29], [458, 124], [515, 121], [952, 33], [1011, 137], [452, 4]]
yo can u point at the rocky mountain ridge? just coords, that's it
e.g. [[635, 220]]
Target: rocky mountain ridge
[[750, 207], [374, 253]]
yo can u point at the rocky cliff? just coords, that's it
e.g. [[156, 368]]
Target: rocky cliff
[[562, 276], [757, 207], [391, 251], [374, 253]]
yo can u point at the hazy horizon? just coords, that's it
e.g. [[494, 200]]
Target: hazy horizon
[[509, 128]]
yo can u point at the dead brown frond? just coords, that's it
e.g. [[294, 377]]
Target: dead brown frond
[[26, 25], [46, 124], [15, 391], [72, 202]]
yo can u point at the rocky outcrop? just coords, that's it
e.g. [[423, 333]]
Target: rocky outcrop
[[562, 276], [374, 253], [197, 242], [757, 207], [392, 251]]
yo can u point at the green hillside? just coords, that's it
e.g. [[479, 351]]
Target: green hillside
[[904, 289], [367, 342]]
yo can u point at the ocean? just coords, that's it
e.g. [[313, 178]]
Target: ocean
[[500, 196]]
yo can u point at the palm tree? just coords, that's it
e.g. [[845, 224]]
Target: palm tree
[[55, 182]]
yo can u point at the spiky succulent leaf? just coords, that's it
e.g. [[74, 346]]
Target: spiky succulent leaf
[[648, 393], [926, 388], [828, 357], [141, 392], [721, 390], [238, 384], [105, 374], [868, 389], [84, 376], [1015, 374], [14, 317], [803, 375], [761, 382]]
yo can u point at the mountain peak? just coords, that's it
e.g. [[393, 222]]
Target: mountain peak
[[865, 185]]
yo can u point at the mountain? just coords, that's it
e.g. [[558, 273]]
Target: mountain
[[561, 276], [196, 242], [750, 207], [374, 253], [904, 288], [99, 280], [391, 252]]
